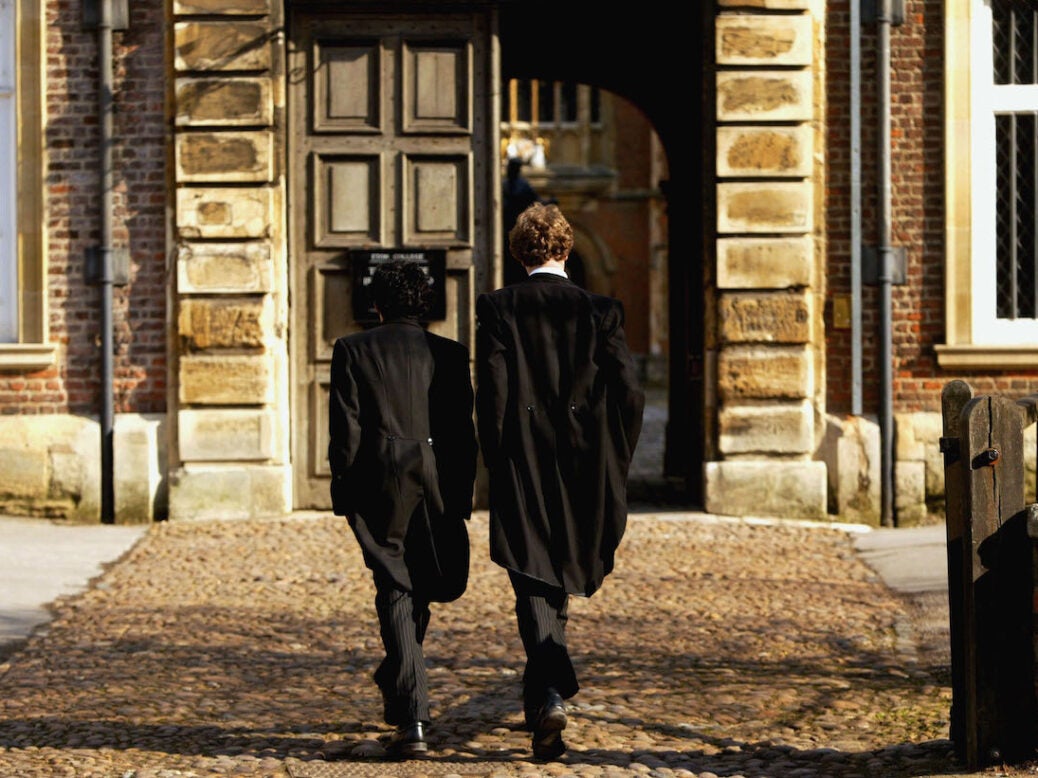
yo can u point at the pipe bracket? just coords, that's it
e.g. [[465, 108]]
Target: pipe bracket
[[870, 265], [120, 270]]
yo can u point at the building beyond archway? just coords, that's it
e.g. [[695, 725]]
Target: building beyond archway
[[647, 62]]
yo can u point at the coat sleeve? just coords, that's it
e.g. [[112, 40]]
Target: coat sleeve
[[343, 430], [625, 395], [491, 379], [463, 435]]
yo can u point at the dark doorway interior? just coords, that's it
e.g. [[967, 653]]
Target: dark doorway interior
[[655, 59]]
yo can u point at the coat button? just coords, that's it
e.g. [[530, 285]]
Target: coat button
[[430, 441], [529, 408], [573, 407]]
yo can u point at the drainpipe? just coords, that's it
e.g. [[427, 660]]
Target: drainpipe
[[885, 259], [856, 241], [106, 274]]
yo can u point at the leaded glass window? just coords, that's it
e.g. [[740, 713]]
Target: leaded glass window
[[1014, 27]]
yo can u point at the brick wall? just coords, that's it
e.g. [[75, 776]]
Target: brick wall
[[917, 63], [72, 190]]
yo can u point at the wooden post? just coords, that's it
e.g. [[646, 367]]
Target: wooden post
[[998, 671], [953, 399]]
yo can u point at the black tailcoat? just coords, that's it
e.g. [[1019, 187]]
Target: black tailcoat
[[559, 411], [402, 453]]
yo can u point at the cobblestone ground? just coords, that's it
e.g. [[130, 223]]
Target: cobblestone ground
[[246, 648]]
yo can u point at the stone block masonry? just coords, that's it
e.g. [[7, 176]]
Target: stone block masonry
[[768, 333]]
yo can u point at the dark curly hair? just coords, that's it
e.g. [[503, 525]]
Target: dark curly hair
[[400, 288], [541, 233]]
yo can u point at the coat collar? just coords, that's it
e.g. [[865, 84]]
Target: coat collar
[[550, 278], [408, 320]]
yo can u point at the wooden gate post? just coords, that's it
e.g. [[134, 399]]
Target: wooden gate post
[[998, 698], [953, 399]]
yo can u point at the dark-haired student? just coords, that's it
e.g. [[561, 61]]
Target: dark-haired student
[[402, 454]]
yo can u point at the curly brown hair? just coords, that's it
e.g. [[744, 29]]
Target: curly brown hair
[[541, 233]]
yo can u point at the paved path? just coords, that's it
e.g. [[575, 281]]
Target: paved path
[[43, 560], [717, 648]]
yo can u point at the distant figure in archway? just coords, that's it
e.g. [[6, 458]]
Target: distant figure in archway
[[517, 195]]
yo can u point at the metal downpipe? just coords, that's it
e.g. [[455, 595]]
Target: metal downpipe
[[107, 415], [886, 267], [856, 239]]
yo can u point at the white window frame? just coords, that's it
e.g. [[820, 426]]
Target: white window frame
[[990, 100], [975, 338], [23, 268], [8, 177]]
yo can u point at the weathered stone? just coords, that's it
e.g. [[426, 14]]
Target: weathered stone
[[765, 372], [224, 102], [765, 263], [140, 456], [49, 466], [222, 45], [1030, 459], [850, 449], [770, 151], [224, 212], [229, 7], [914, 432], [224, 267], [765, 95], [909, 493], [226, 380], [917, 438], [224, 157], [764, 39], [226, 435], [24, 471], [223, 323], [765, 318], [766, 487], [231, 492], [766, 206], [775, 428]]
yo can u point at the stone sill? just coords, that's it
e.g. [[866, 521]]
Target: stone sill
[[977, 357], [27, 357]]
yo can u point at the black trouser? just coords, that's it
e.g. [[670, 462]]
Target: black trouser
[[401, 676], [541, 612]]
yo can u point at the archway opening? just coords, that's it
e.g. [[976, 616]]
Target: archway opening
[[597, 155]]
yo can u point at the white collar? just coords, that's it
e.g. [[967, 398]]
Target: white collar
[[555, 271]]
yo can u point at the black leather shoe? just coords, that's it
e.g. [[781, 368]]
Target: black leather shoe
[[548, 707], [407, 742], [547, 730], [552, 715]]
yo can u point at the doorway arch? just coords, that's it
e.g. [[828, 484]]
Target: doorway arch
[[646, 61]]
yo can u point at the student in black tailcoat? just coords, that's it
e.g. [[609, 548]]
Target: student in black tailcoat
[[402, 453], [559, 411]]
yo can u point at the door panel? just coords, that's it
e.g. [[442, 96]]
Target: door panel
[[436, 78], [347, 197], [388, 115], [352, 104], [436, 196]]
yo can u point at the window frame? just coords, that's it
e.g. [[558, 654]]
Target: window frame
[[8, 175], [974, 337], [32, 349]]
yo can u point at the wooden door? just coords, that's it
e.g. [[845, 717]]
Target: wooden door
[[391, 135]]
